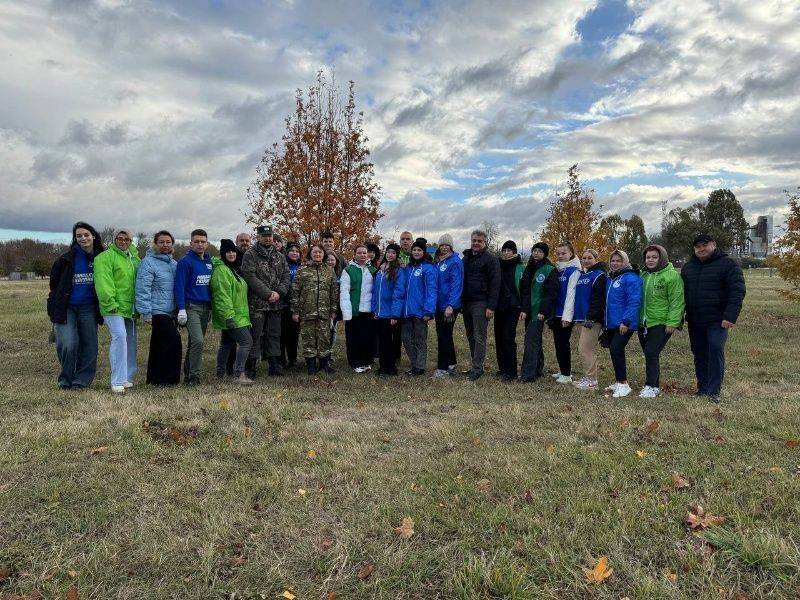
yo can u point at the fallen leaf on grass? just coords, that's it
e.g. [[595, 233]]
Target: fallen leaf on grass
[[406, 529], [224, 405], [551, 449], [229, 440], [651, 427], [641, 453], [72, 574], [624, 424], [5, 572], [679, 482], [312, 454], [72, 593], [792, 444], [671, 577], [365, 571], [248, 432], [528, 497], [326, 543], [238, 561], [333, 596], [288, 595], [600, 572], [301, 492], [483, 485], [776, 470], [100, 450], [697, 518]]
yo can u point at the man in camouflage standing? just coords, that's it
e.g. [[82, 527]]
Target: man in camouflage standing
[[267, 276]]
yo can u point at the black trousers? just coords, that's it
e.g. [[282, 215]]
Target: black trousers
[[445, 347], [561, 337], [359, 332], [533, 355], [166, 350], [653, 340], [290, 336], [617, 351], [386, 336], [505, 340], [707, 341]]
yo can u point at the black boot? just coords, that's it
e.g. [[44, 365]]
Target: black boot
[[325, 364], [311, 366], [275, 368], [250, 368]]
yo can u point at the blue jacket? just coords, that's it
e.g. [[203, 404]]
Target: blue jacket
[[589, 294], [155, 283], [415, 291], [623, 298], [383, 295], [568, 274], [450, 282], [192, 280]]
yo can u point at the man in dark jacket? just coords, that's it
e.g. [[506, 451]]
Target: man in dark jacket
[[479, 298], [267, 276], [714, 290]]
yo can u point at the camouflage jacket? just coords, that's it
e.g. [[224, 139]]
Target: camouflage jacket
[[265, 271], [315, 292]]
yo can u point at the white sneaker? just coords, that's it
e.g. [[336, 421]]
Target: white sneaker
[[451, 369], [361, 369], [649, 392], [555, 375], [439, 373], [128, 384], [118, 389], [611, 388], [586, 384], [623, 389], [564, 379]]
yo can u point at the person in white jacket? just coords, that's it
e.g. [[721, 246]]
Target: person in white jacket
[[355, 300], [569, 270]]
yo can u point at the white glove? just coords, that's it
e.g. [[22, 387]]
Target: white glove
[[182, 318]]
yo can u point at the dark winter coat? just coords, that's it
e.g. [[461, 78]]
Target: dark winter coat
[[265, 270], [714, 289], [61, 286], [481, 278], [509, 297]]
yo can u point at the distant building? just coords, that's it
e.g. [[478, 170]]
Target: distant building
[[759, 237]]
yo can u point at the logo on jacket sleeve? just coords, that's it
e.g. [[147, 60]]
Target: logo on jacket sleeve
[[417, 272], [616, 284], [443, 267], [540, 278]]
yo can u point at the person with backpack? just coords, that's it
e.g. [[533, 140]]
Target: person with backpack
[[714, 290], [590, 306], [569, 270], [355, 300], [230, 313], [661, 315], [155, 302], [506, 316], [386, 321], [115, 284], [314, 303], [450, 284], [538, 294], [414, 301], [623, 303], [74, 310]]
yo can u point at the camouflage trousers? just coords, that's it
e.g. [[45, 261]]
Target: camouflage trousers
[[315, 338]]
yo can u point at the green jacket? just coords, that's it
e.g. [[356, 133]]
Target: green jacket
[[228, 296], [115, 281], [315, 292], [662, 298]]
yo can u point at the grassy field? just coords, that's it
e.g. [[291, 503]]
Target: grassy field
[[298, 485]]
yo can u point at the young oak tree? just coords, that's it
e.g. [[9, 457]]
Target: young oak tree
[[572, 216], [788, 245], [318, 177]]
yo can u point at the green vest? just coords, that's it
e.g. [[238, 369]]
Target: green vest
[[354, 271], [537, 283], [518, 277]]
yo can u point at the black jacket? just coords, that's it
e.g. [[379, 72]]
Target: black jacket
[[547, 303], [714, 289], [61, 287], [481, 278], [509, 297], [597, 299]]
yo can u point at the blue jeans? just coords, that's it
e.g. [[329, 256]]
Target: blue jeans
[[122, 351], [708, 346], [76, 347]]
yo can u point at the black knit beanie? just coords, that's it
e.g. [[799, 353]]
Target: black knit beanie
[[543, 247], [510, 245]]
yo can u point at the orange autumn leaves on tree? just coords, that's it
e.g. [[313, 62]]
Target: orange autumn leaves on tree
[[572, 216], [318, 177]]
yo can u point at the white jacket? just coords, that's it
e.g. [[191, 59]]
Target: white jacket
[[365, 300]]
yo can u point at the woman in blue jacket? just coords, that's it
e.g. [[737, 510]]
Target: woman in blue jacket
[[623, 300], [569, 269], [387, 327], [415, 302], [155, 301], [590, 307], [450, 283]]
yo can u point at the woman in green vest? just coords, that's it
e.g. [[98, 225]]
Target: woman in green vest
[[355, 300], [539, 291], [230, 312], [115, 284]]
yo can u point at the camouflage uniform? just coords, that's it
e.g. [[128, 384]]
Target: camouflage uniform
[[315, 296]]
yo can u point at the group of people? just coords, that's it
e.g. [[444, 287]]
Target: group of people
[[270, 303]]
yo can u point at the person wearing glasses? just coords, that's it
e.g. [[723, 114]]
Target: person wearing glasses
[[115, 284]]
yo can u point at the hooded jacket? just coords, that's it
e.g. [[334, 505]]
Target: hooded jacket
[[193, 280], [450, 282], [228, 297], [481, 278], [315, 292], [568, 273], [662, 293], [115, 281], [415, 291], [539, 288], [623, 298], [265, 271], [714, 290], [62, 280], [511, 271], [590, 294], [383, 294], [155, 285], [355, 290]]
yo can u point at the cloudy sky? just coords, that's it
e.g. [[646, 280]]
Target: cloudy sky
[[153, 114]]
